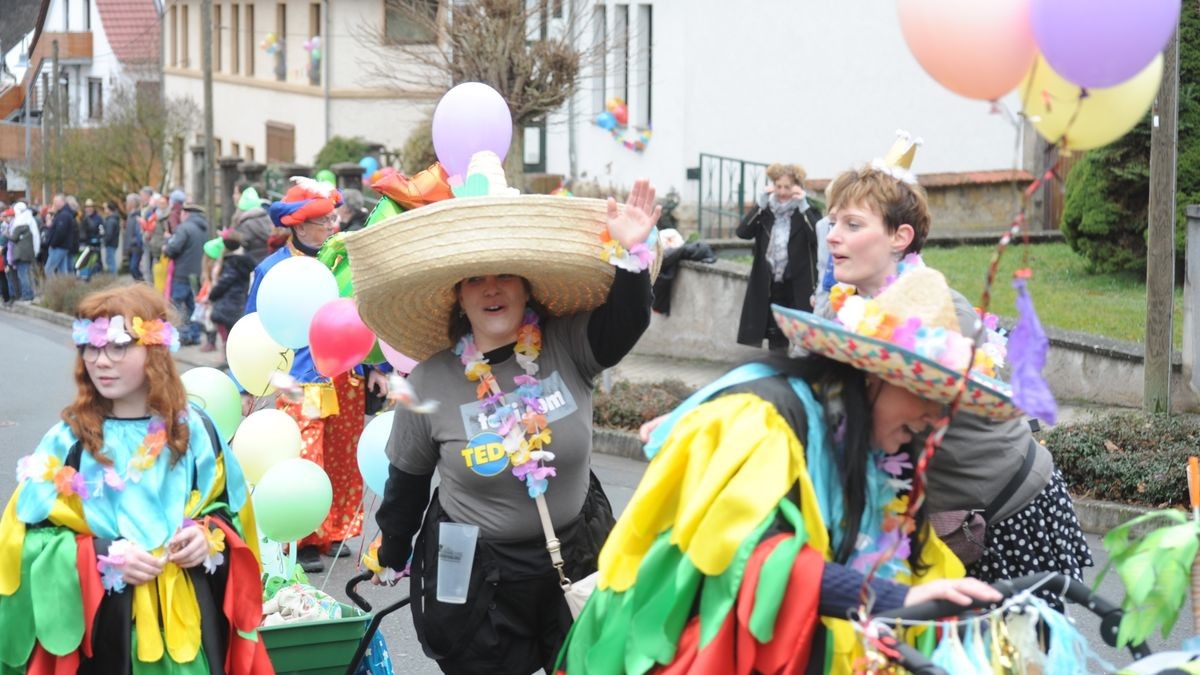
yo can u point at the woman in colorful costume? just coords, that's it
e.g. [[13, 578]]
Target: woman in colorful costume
[[512, 311], [773, 493], [994, 469], [122, 550], [331, 412]]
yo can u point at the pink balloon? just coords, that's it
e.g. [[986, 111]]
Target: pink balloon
[[338, 338], [975, 49], [400, 362]]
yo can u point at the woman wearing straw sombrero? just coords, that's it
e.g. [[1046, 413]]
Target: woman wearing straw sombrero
[[513, 304], [780, 492], [993, 489]]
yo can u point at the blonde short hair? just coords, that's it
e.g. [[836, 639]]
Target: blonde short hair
[[899, 203], [793, 171]]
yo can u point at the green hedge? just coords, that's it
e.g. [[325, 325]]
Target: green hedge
[[1107, 192], [1130, 457], [629, 405]]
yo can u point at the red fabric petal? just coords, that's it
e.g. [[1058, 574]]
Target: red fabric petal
[[747, 645], [243, 607], [89, 585], [789, 650], [42, 662]]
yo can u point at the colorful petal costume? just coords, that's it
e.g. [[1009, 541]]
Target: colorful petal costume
[[715, 566], [63, 605]]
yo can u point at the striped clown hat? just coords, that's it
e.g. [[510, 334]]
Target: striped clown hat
[[305, 200]]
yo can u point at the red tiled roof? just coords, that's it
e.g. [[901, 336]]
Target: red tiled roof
[[132, 28]]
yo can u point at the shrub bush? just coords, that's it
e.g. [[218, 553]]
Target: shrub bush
[[62, 293], [630, 405], [418, 151], [340, 149], [1128, 457], [1107, 192]]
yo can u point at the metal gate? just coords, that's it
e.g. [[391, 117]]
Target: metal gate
[[727, 187]]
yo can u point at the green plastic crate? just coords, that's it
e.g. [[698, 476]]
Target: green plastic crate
[[315, 647]]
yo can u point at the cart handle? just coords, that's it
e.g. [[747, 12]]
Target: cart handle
[[1071, 589], [373, 626]]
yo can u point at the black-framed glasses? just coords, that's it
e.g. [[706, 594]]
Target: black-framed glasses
[[112, 350]]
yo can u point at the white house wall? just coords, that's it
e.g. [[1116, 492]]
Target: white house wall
[[359, 104], [825, 83]]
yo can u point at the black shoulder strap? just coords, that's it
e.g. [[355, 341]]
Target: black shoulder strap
[[1013, 484]]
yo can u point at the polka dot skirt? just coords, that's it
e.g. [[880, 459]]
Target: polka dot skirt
[[1043, 537]]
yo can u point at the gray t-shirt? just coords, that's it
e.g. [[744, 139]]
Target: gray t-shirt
[[477, 485]]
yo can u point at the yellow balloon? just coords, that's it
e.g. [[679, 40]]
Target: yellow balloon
[[253, 355], [1104, 115], [264, 439]]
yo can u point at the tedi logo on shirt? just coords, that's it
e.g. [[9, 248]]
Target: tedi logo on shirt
[[485, 454], [556, 403]]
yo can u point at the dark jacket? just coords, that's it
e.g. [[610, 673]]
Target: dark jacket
[[133, 232], [358, 219], [21, 239], [112, 230], [186, 246], [799, 277], [63, 232], [228, 295], [91, 230]]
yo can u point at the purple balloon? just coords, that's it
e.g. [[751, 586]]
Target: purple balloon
[[470, 118], [1101, 43]]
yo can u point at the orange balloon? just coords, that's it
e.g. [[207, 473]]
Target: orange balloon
[[975, 48]]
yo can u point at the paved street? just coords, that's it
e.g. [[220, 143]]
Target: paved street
[[38, 382]]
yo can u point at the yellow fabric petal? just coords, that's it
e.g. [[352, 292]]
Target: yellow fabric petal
[[68, 512], [145, 622], [250, 530], [12, 543], [181, 622], [724, 467]]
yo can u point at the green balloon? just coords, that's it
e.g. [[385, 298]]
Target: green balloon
[[376, 356], [217, 395], [292, 499], [214, 248], [326, 176], [386, 208], [249, 200]]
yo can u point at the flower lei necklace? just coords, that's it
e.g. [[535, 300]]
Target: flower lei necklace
[[525, 433]]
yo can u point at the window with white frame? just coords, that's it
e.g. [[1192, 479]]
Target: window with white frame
[[644, 70], [95, 98], [621, 52]]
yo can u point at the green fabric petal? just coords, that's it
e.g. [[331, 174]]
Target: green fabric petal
[[16, 611], [607, 653], [586, 630], [775, 574], [719, 593], [665, 592], [386, 208], [165, 666], [55, 593]]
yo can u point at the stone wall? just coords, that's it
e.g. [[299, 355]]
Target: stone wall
[[706, 302]]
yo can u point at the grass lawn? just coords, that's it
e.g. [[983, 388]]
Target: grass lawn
[[1064, 293]]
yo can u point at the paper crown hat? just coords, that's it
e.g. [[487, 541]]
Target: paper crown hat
[[899, 158]]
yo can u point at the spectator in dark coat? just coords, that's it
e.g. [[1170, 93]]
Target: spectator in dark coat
[[21, 237], [253, 224], [228, 295], [186, 248], [352, 214], [111, 236], [92, 236], [59, 238], [134, 241]]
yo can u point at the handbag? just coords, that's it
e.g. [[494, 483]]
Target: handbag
[[576, 593]]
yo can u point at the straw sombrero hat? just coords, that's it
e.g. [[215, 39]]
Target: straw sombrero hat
[[909, 336], [405, 268]]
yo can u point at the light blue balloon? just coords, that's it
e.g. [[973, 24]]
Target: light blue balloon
[[372, 452], [606, 121], [290, 295], [369, 164]]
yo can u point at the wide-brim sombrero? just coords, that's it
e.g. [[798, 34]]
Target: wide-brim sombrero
[[920, 304], [404, 268]]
